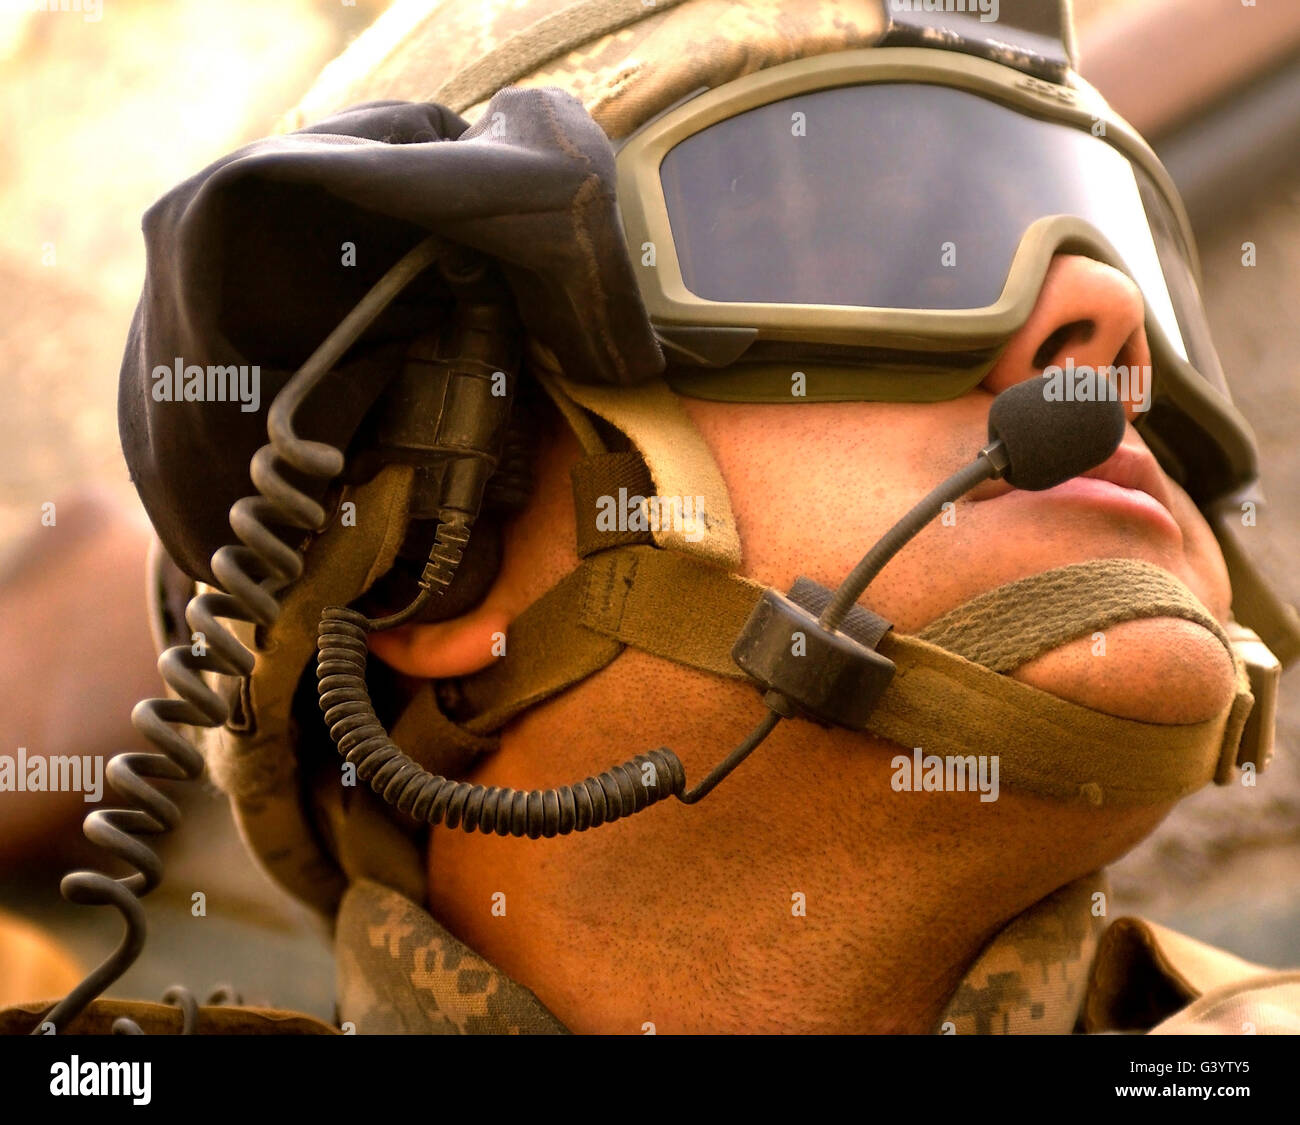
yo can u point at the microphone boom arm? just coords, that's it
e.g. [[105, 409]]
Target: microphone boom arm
[[990, 464]]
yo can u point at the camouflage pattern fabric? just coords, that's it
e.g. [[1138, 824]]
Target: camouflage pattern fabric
[[625, 60], [401, 973], [1032, 977]]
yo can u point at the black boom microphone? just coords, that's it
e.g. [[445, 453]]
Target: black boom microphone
[[1048, 443]]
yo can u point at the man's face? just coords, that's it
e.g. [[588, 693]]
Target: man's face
[[813, 485]]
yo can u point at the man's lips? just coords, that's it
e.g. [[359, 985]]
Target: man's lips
[[1130, 469]]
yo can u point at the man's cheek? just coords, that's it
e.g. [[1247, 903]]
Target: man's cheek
[[1204, 571]]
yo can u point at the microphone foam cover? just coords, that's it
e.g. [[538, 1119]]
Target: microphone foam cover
[[1048, 441]]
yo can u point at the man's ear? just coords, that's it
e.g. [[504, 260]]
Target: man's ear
[[458, 647]]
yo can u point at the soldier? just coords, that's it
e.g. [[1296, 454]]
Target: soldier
[[840, 231]]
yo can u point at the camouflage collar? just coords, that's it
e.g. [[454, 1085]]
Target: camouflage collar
[[400, 972], [1032, 977]]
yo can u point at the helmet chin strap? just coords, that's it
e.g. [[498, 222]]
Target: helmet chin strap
[[944, 690], [949, 701]]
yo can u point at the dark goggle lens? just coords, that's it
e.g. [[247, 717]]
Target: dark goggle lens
[[895, 196]]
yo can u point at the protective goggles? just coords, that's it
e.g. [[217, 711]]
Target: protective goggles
[[883, 220]]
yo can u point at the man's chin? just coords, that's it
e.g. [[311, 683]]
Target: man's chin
[[1157, 670]]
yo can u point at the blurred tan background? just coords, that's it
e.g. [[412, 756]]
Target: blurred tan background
[[104, 116]]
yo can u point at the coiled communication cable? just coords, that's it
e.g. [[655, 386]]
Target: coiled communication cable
[[252, 573], [620, 791]]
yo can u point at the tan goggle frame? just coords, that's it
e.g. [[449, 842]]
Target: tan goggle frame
[[645, 211], [679, 315]]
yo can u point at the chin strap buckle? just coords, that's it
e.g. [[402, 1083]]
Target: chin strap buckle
[[833, 678], [1264, 671]]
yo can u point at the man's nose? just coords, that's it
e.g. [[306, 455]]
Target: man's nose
[[1087, 312]]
